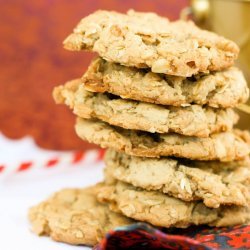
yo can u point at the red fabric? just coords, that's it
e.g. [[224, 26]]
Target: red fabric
[[143, 236]]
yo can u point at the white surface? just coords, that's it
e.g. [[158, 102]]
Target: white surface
[[19, 191], [15, 152]]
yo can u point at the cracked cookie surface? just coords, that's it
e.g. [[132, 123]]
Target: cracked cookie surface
[[146, 40], [162, 210], [226, 146], [222, 89], [75, 216], [194, 120], [214, 183]]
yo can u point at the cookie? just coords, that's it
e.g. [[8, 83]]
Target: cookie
[[162, 210], [74, 216], [194, 120], [183, 180], [220, 89], [227, 146], [146, 40]]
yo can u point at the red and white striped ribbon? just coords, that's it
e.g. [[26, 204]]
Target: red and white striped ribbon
[[70, 158], [29, 156]]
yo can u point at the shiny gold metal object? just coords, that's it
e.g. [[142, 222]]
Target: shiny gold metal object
[[230, 18], [243, 107], [200, 9]]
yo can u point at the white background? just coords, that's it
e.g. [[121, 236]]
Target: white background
[[19, 191]]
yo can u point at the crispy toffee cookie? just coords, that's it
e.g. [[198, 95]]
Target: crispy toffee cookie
[[193, 120], [227, 146], [146, 40], [74, 216], [165, 211], [183, 180], [219, 89]]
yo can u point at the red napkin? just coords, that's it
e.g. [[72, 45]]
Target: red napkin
[[142, 236]]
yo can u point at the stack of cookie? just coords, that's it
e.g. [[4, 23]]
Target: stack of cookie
[[160, 97]]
